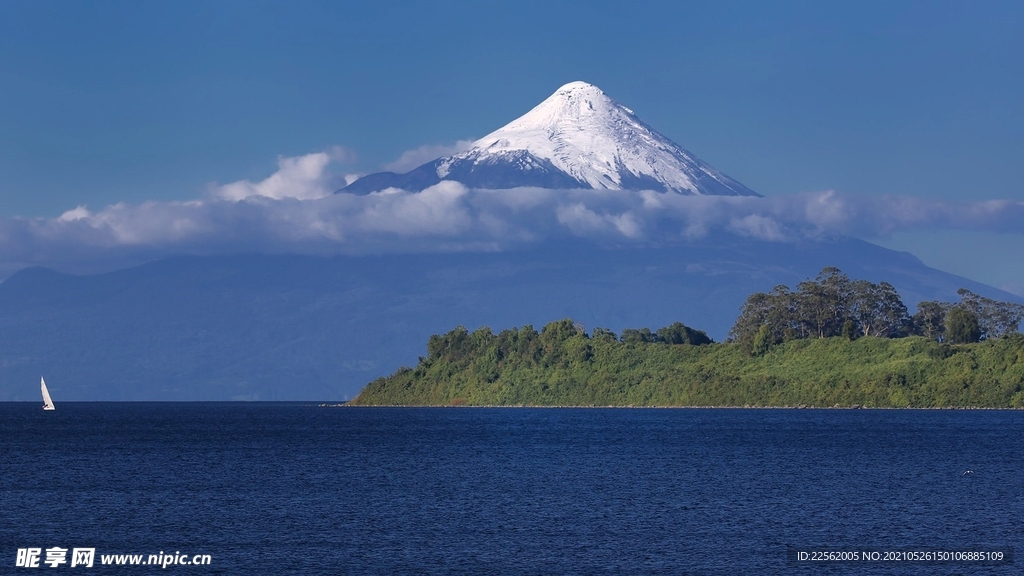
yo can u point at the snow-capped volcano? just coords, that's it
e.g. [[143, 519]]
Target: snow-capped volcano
[[576, 138]]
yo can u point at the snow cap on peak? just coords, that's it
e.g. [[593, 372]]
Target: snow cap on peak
[[576, 110], [583, 93], [577, 85], [579, 137], [600, 144]]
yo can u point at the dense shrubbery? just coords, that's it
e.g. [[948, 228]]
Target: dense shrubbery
[[834, 341], [563, 366]]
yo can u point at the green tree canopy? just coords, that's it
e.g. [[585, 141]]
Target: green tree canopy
[[929, 321], [995, 318], [830, 305], [679, 333], [962, 326]]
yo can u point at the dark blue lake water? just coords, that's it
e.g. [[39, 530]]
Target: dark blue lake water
[[296, 488]]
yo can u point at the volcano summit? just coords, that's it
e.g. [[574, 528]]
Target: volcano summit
[[578, 138]]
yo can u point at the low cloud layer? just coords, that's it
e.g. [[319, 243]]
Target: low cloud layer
[[296, 211]]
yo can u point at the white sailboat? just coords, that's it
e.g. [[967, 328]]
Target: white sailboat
[[47, 402]]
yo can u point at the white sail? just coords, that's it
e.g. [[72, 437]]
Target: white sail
[[47, 402]]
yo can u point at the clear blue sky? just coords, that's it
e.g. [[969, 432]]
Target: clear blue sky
[[104, 102]]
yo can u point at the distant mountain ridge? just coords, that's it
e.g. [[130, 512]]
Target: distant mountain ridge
[[319, 328], [578, 138]]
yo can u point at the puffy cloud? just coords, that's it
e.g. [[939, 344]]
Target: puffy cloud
[[757, 226], [582, 221], [309, 177], [304, 177], [883, 215], [415, 158], [295, 211], [437, 211]]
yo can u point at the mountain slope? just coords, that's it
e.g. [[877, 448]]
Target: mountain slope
[[309, 328], [576, 138]]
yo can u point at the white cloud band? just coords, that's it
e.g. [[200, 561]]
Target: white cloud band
[[295, 210]]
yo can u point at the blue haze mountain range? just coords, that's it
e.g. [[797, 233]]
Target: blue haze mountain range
[[287, 327]]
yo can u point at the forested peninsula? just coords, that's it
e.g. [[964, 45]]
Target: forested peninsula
[[832, 342]]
